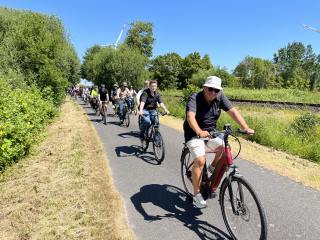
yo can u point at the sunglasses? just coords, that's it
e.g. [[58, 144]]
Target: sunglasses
[[210, 89]]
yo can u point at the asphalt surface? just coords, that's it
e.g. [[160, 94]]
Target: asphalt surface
[[156, 205]]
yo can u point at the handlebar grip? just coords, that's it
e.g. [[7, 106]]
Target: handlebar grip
[[242, 131]]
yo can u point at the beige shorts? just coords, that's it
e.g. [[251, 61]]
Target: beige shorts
[[199, 147]]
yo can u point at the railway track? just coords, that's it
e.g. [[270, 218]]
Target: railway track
[[311, 106]]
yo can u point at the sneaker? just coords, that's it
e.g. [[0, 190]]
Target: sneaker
[[198, 201]]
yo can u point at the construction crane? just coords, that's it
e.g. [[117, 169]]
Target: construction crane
[[312, 28], [115, 45], [119, 37]]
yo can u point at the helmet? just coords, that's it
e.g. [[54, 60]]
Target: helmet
[[124, 84], [115, 85], [103, 86]]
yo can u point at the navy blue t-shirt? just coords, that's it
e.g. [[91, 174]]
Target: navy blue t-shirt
[[206, 114]]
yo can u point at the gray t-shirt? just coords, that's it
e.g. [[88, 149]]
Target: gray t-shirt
[[206, 114]]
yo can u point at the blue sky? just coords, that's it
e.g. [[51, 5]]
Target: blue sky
[[226, 30]]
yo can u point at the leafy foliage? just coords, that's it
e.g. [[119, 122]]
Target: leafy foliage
[[108, 65], [256, 73], [296, 66], [167, 69], [140, 36], [37, 62], [23, 114]]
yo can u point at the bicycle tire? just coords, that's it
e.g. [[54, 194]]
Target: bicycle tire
[[158, 143], [186, 171], [104, 117], [145, 144], [127, 119], [242, 214]]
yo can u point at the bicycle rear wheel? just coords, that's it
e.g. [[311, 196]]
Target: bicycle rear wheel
[[241, 209], [186, 171], [158, 146]]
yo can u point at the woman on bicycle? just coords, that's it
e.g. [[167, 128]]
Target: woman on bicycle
[[202, 112]]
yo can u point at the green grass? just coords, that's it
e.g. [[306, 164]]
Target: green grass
[[273, 127], [281, 95]]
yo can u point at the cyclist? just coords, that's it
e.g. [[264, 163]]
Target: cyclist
[[149, 101], [113, 94], [133, 94], [202, 112], [146, 86], [103, 96], [123, 95], [94, 97]]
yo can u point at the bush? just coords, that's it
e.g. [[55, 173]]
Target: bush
[[305, 124], [188, 91], [36, 63]]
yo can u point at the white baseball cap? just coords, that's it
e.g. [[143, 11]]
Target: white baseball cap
[[213, 82]]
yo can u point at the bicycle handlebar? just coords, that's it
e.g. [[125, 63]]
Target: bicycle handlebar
[[225, 133]]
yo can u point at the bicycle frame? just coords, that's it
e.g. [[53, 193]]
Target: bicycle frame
[[224, 164]]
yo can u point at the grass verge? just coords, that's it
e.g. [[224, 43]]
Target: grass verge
[[65, 190]]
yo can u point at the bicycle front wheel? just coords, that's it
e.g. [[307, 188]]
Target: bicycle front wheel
[[104, 116], [126, 119], [241, 209], [158, 146], [186, 171]]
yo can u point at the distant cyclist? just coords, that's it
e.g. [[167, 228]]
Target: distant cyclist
[[113, 94], [133, 94], [145, 86], [103, 96], [94, 97], [149, 101], [123, 95]]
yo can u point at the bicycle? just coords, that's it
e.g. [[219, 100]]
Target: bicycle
[[104, 111], [153, 135], [126, 118], [239, 203]]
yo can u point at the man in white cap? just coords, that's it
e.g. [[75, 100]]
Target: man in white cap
[[202, 112]]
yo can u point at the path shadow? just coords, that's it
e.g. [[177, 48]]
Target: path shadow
[[173, 200], [135, 150], [91, 114], [115, 123], [135, 134], [98, 120]]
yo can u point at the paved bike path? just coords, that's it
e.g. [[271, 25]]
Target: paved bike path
[[156, 205]]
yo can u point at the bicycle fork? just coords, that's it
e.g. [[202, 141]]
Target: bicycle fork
[[237, 203]]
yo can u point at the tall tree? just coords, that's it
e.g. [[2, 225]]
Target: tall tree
[[108, 66], [166, 69], [140, 36], [296, 65], [256, 73]]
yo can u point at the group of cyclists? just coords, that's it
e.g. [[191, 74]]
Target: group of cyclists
[[143, 103], [202, 112]]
